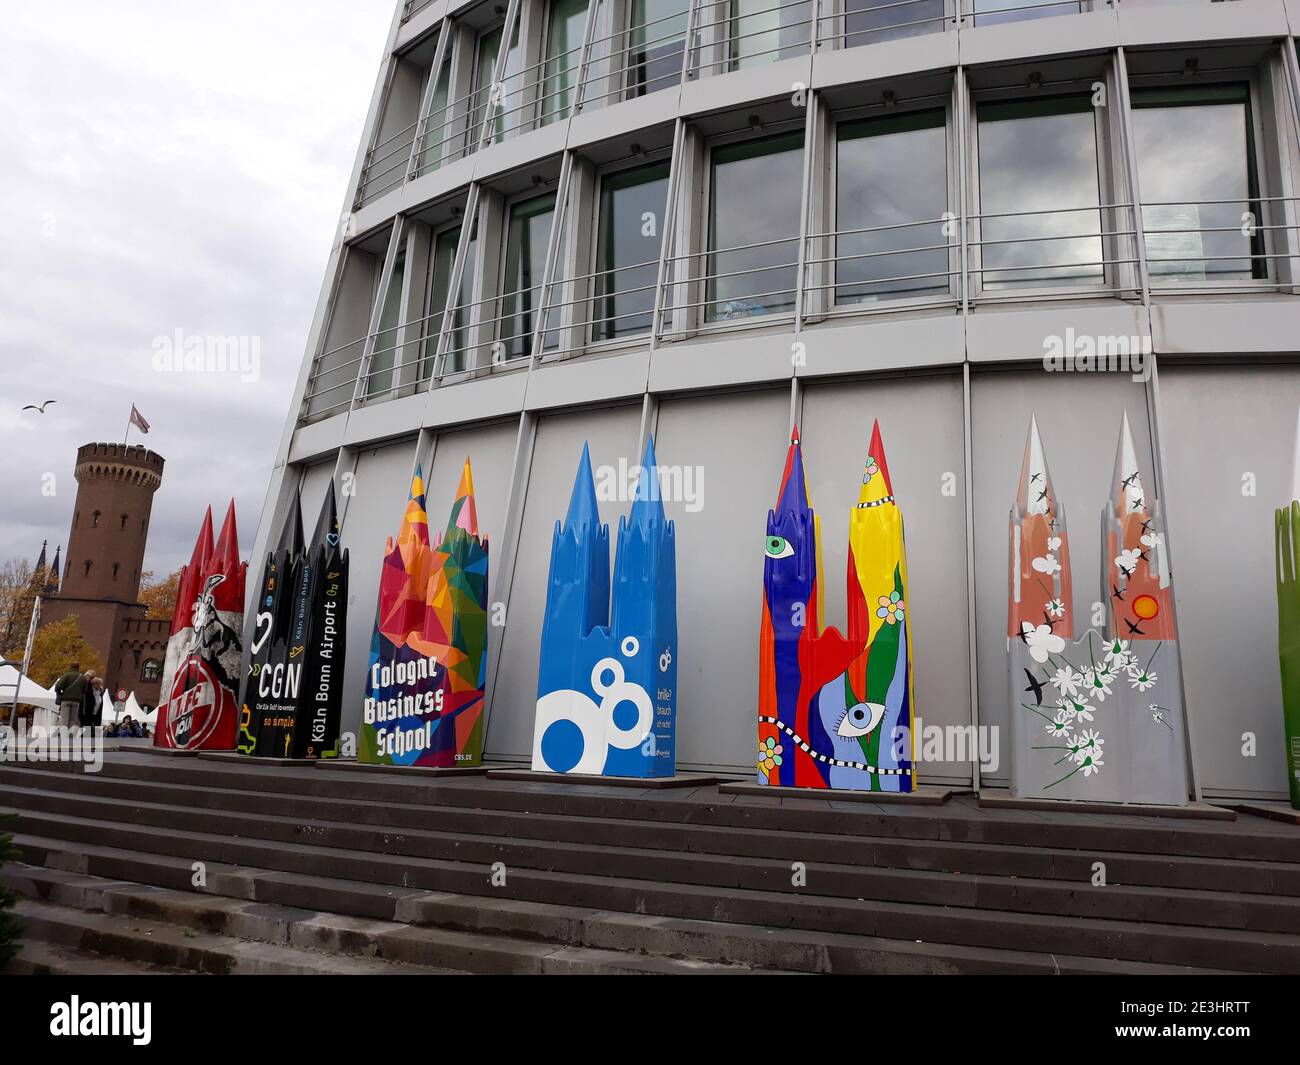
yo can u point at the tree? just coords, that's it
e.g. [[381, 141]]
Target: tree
[[15, 577], [57, 644], [159, 596], [8, 925]]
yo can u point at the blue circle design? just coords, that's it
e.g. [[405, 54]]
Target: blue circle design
[[562, 745], [625, 715]]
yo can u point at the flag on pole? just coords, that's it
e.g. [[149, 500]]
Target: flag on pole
[[137, 419]]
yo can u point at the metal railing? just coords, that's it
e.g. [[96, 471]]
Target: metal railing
[[998, 12], [414, 7], [634, 62], [888, 20], [1228, 253], [729, 296], [727, 39]]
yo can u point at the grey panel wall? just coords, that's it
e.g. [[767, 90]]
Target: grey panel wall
[[1220, 425], [314, 483], [1079, 419], [612, 434], [739, 442], [921, 426], [374, 513]]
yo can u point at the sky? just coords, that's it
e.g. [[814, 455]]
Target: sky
[[166, 167]]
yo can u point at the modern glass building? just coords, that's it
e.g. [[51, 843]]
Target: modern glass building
[[704, 220]]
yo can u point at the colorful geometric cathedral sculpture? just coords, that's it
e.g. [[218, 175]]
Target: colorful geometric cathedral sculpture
[[199, 705], [607, 679], [1286, 527], [1098, 718], [836, 710], [293, 681], [428, 658]]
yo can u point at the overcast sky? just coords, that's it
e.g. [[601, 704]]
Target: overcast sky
[[165, 166]]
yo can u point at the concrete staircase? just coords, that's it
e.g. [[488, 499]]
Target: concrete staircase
[[307, 870]]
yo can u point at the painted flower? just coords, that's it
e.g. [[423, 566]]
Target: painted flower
[[871, 470], [1097, 683], [1067, 681], [1141, 679], [1127, 560], [891, 608], [1115, 649], [1090, 764], [769, 754], [1056, 608], [1088, 742], [1060, 726], [1151, 539], [1046, 564], [1041, 641], [1082, 711], [1054, 544]]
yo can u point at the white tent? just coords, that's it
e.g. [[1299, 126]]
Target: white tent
[[132, 707], [29, 692]]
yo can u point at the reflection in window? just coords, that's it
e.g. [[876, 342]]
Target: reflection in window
[[435, 128], [151, 670], [564, 32], [891, 193], [868, 21], [380, 378], [631, 232], [444, 258], [754, 203], [763, 31], [1196, 169], [527, 234], [1039, 193], [991, 12], [656, 45], [502, 111]]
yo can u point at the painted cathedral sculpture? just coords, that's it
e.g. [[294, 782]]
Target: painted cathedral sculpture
[[293, 681], [199, 705], [836, 710], [428, 658], [607, 679], [1098, 718], [1286, 527]]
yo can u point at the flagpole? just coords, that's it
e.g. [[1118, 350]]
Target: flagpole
[[128, 428]]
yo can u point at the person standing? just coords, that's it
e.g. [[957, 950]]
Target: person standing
[[70, 690], [92, 702]]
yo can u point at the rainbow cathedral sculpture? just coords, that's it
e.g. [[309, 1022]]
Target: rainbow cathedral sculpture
[[428, 658], [607, 679], [1097, 718], [836, 710]]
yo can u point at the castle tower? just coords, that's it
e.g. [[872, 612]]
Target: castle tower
[[100, 582]]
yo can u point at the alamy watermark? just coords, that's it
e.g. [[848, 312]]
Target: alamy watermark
[[194, 353], [1089, 353], [52, 743], [673, 484]]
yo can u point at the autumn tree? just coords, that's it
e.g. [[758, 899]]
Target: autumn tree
[[159, 596], [15, 576], [57, 644]]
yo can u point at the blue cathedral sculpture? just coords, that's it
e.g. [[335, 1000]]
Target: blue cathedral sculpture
[[607, 681]]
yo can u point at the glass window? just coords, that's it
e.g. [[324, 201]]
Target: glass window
[[868, 21], [891, 192], [754, 204], [763, 31], [1039, 193], [1196, 168], [564, 32], [380, 377], [632, 204], [431, 145], [991, 12], [503, 110], [656, 45], [527, 234], [444, 258]]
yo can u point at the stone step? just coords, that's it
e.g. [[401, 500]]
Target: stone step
[[959, 820], [758, 948], [1248, 877], [319, 933], [38, 958], [153, 827], [115, 851], [137, 940]]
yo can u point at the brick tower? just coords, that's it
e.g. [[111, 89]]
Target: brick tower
[[104, 561]]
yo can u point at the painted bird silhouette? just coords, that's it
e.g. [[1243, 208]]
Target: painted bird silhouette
[[41, 408]]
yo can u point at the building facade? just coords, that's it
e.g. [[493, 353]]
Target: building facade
[[708, 220], [105, 558]]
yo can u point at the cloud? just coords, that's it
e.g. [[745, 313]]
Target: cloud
[[172, 167]]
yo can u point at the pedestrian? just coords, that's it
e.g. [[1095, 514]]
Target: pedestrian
[[70, 690], [92, 701]]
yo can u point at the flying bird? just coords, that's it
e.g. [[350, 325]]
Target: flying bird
[[1035, 686], [40, 409]]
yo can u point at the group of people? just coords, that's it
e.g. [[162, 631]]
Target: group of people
[[82, 698]]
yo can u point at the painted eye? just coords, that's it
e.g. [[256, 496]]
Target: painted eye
[[778, 547], [860, 719]]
